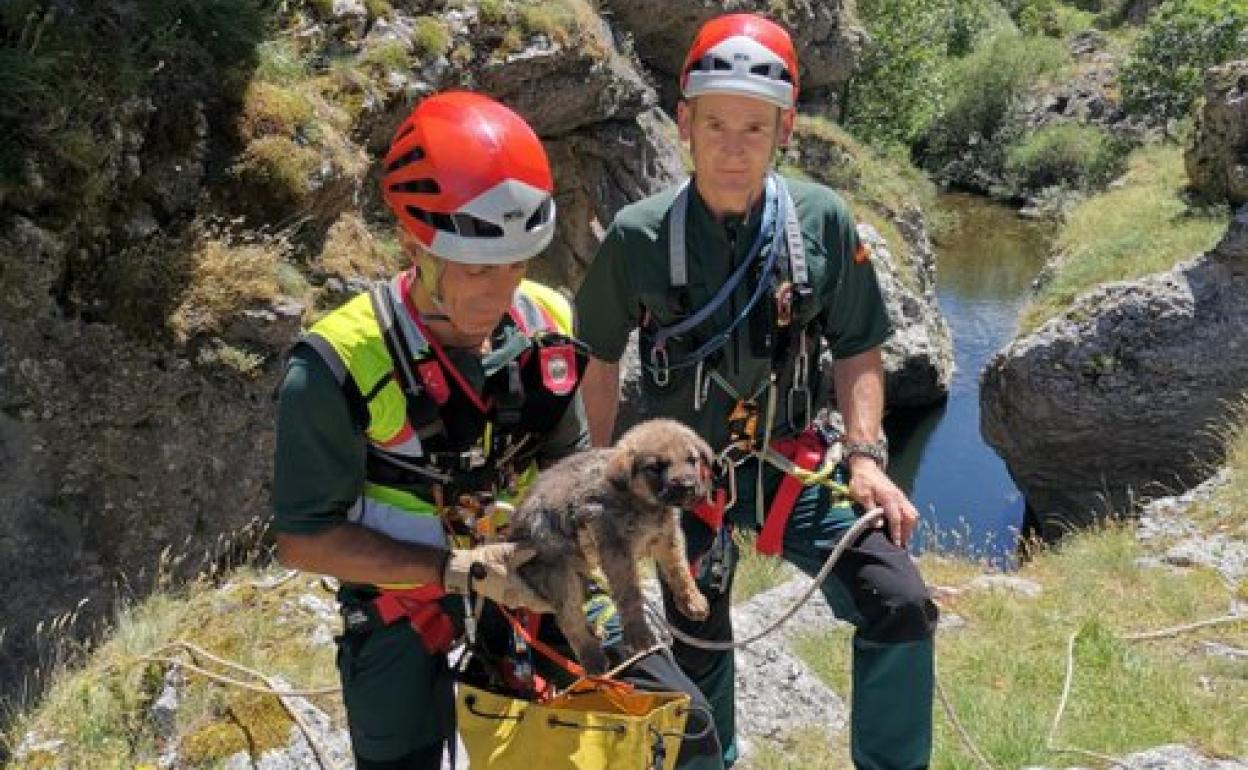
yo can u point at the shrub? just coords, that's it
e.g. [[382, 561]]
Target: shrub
[[430, 37], [983, 88], [272, 110], [896, 91], [276, 175], [492, 11], [1162, 77], [1066, 154]]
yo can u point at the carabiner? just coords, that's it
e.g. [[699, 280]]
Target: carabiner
[[801, 384]]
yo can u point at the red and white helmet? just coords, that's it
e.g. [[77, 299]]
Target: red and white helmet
[[744, 54], [470, 179]]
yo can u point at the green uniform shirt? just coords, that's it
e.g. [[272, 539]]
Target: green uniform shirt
[[631, 271], [319, 460]]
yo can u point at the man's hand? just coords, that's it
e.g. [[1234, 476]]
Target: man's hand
[[496, 579], [871, 488]]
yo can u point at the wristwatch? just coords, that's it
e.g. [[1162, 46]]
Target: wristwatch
[[876, 450]]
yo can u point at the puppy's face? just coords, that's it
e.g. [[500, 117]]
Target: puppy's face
[[662, 462]]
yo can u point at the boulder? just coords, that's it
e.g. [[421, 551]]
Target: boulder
[[561, 88], [1116, 398], [1217, 160], [918, 357], [120, 465], [599, 170]]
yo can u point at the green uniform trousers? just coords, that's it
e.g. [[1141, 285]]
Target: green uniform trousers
[[874, 586]]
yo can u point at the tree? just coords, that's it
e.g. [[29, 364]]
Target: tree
[[1162, 77]]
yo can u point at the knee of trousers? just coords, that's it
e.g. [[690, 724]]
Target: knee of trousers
[[905, 615]]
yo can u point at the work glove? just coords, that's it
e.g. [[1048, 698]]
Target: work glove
[[492, 571]]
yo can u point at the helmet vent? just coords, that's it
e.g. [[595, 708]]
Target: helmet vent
[[413, 155], [772, 71], [464, 225], [427, 186], [710, 63], [541, 216]]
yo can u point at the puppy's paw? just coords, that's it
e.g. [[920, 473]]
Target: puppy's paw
[[693, 605], [638, 637], [593, 660]]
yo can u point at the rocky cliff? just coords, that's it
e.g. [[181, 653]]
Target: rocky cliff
[[1217, 160]]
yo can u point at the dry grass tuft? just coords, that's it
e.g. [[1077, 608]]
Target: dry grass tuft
[[224, 280]]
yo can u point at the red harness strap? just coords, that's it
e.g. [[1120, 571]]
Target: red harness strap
[[420, 606], [711, 512], [806, 451]]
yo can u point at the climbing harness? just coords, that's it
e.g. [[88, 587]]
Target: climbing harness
[[788, 279]]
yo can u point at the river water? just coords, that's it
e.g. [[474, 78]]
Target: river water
[[968, 503]]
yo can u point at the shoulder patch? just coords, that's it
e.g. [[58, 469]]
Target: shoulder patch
[[862, 253]]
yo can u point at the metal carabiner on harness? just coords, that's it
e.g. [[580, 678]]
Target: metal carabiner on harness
[[801, 383], [701, 386], [658, 366]]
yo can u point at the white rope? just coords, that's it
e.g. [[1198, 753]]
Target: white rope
[[322, 756], [864, 522]]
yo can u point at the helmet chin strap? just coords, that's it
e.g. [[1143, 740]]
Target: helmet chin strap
[[429, 271]]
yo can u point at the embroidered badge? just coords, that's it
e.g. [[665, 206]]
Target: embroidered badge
[[558, 369]]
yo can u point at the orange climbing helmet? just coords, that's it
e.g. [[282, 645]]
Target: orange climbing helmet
[[741, 54], [744, 54], [470, 180]]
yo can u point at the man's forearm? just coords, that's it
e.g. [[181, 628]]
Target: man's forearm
[[859, 382], [356, 554], [601, 391]]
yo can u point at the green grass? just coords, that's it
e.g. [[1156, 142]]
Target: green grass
[[1004, 670], [756, 573], [877, 185], [99, 708], [430, 38], [1142, 227]]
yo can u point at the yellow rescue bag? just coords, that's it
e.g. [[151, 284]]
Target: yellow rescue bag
[[594, 725]]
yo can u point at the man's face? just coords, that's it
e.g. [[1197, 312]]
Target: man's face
[[473, 297], [732, 139]]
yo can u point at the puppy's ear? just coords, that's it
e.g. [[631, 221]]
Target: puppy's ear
[[619, 469]]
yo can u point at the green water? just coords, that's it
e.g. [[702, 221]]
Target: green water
[[964, 493]]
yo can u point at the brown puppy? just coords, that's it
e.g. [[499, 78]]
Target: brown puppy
[[607, 508]]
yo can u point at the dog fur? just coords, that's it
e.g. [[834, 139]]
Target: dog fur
[[607, 508]]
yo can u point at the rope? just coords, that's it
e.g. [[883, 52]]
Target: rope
[[322, 756], [1176, 630], [957, 723], [1049, 745], [864, 522]]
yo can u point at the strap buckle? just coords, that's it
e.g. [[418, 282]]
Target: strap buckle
[[743, 424], [659, 366], [701, 386], [784, 304]]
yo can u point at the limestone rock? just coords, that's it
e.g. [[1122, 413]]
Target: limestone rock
[[559, 89], [600, 169], [918, 357], [1172, 757], [784, 696], [1098, 405], [1217, 160]]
